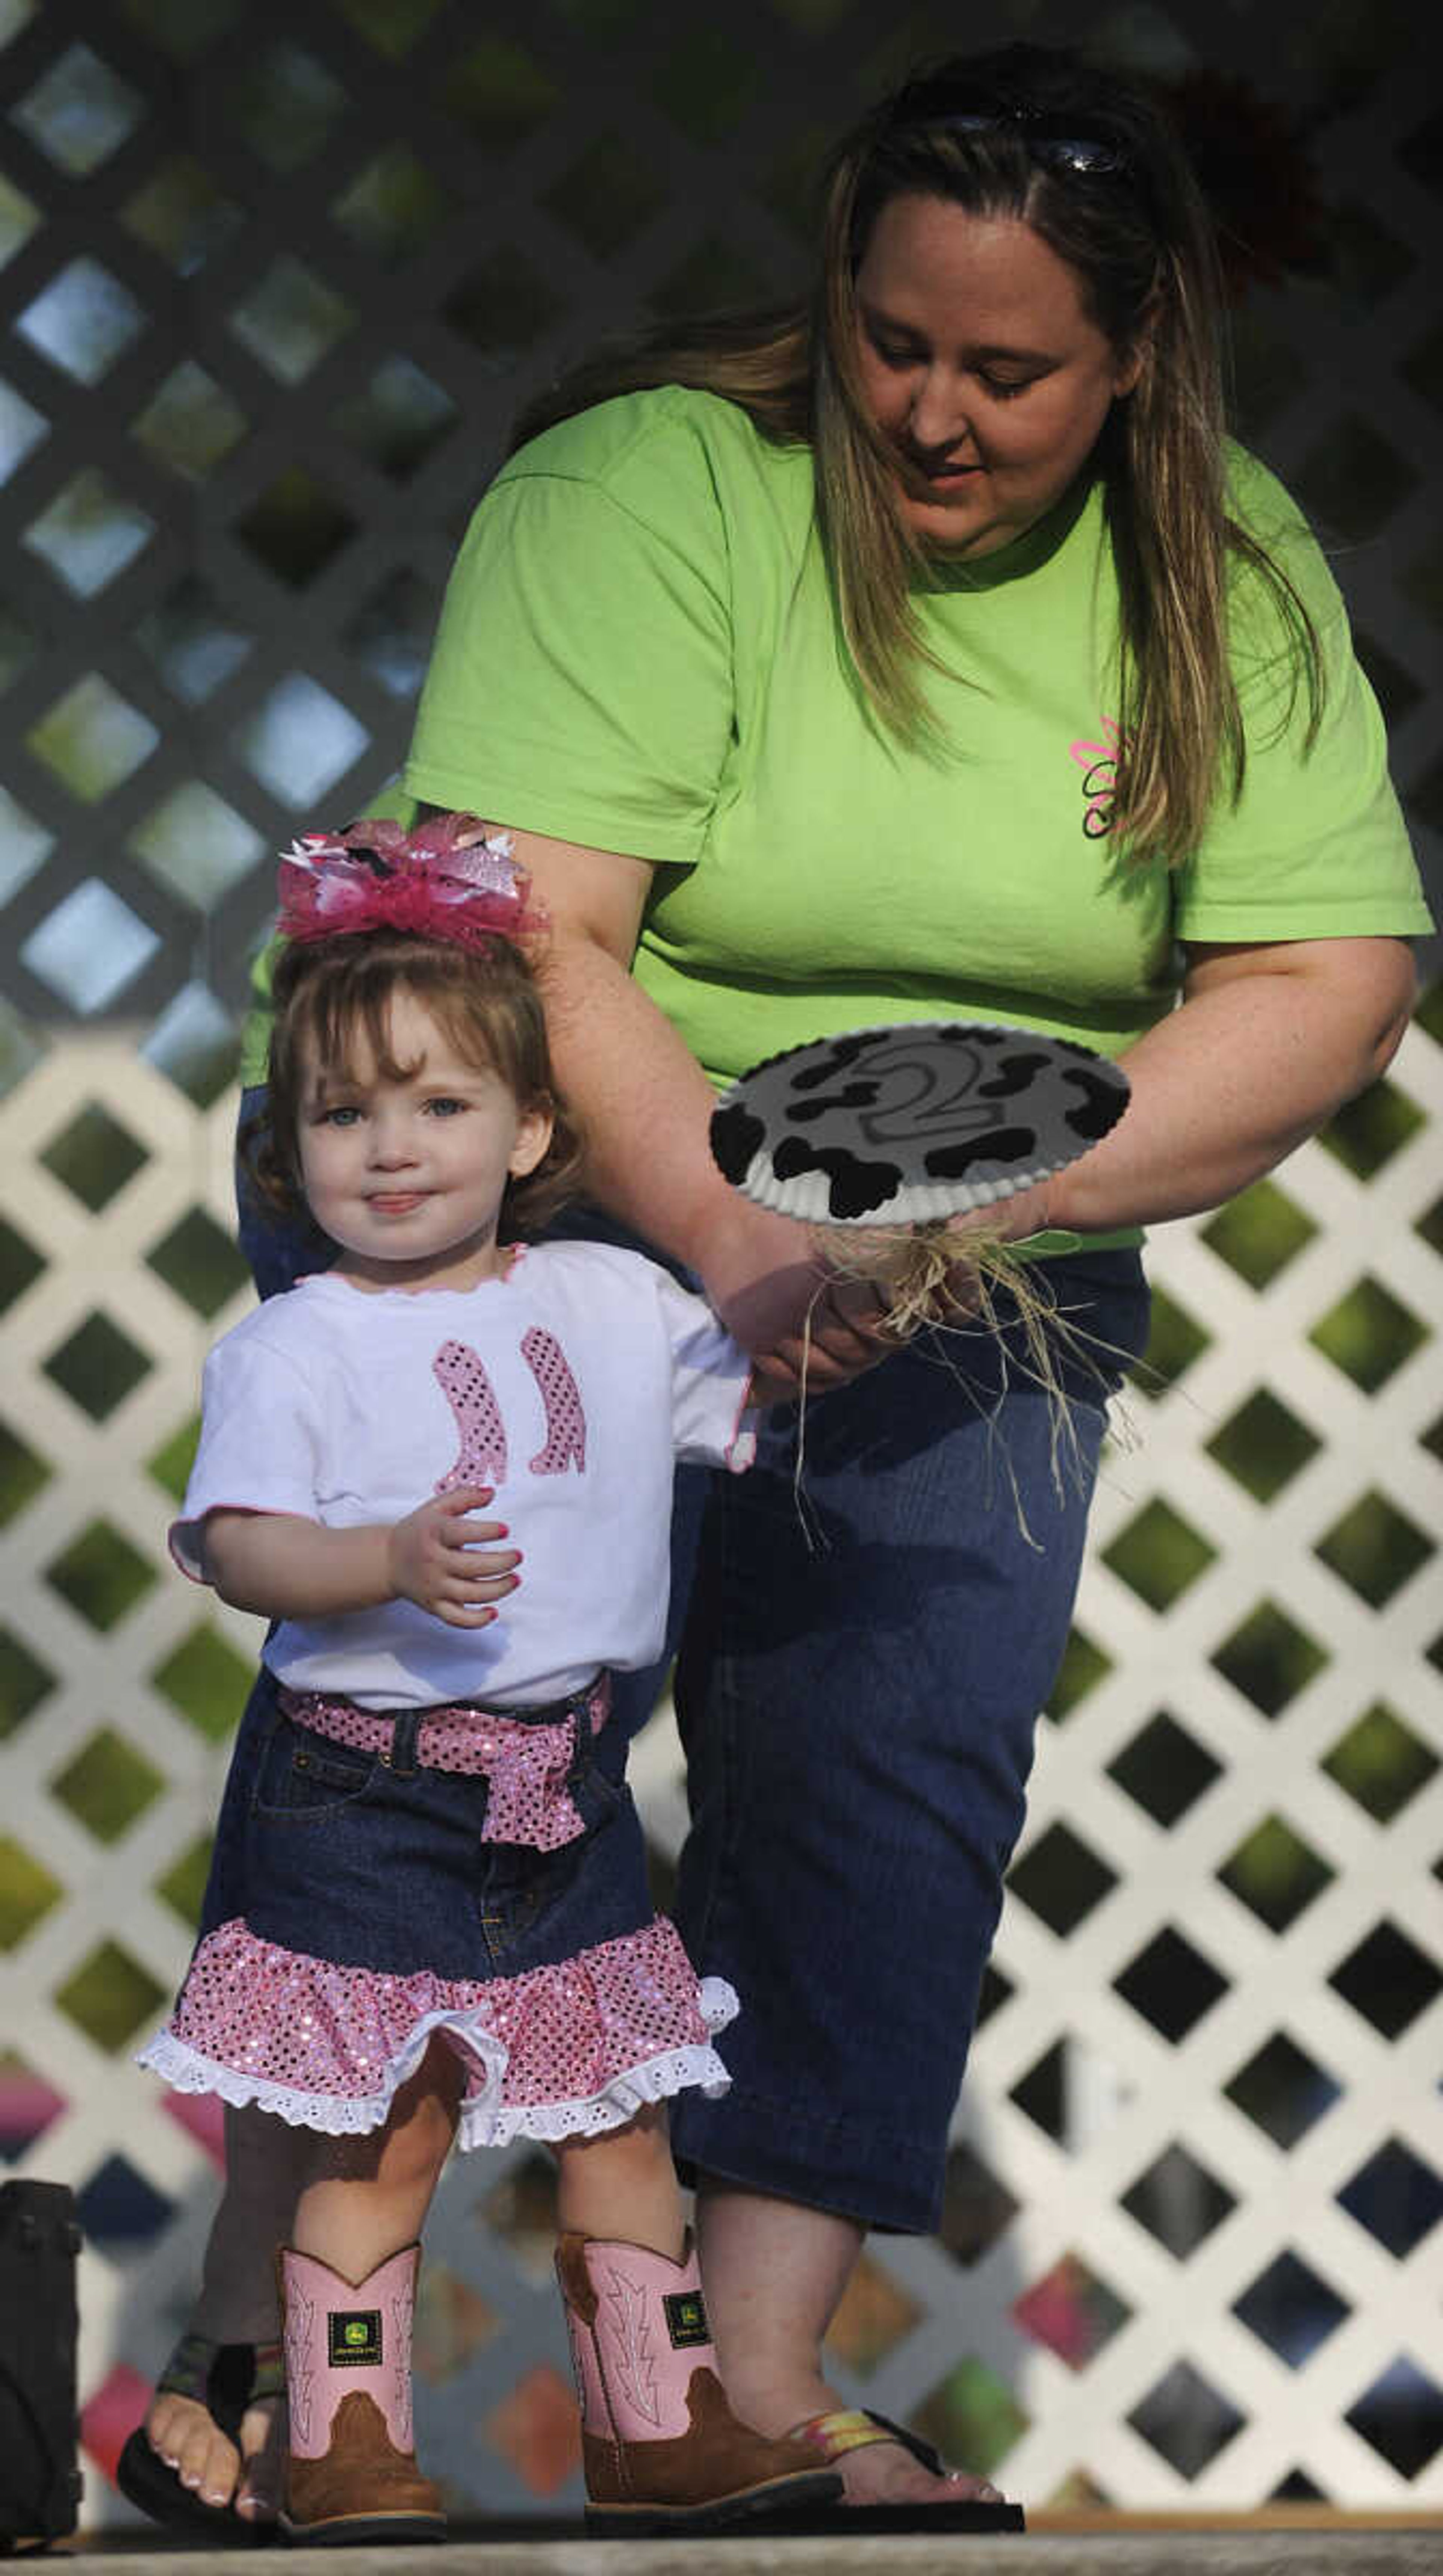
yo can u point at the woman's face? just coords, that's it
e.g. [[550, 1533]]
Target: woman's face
[[981, 369]]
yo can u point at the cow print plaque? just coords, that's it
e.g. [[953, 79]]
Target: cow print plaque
[[902, 1125]]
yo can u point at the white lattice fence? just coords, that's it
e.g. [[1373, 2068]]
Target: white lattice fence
[[1200, 2156], [1214, 2088], [275, 280]]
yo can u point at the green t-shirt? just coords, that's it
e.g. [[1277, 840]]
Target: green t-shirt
[[637, 651]]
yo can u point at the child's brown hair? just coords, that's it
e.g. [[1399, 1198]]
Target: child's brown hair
[[332, 991]]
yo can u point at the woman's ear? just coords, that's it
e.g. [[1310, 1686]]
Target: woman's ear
[[1128, 373]]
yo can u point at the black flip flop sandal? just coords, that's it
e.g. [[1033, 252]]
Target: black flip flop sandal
[[855, 2428], [224, 2378]]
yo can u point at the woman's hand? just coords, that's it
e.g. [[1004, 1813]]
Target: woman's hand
[[770, 1281], [438, 1557], [803, 1323]]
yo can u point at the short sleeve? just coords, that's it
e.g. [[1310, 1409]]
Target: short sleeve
[[711, 1381], [581, 681], [259, 1447], [1315, 846]]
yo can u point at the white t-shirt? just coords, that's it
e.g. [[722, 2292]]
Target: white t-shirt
[[571, 1385]]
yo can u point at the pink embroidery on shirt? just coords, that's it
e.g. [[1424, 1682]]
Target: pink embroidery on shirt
[[1098, 762], [461, 1376], [565, 1419]]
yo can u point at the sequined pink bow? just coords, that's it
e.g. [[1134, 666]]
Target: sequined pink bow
[[527, 1799], [448, 879]]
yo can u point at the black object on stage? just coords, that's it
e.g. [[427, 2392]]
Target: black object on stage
[[40, 2483]]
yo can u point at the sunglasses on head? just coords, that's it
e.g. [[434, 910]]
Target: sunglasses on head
[[1080, 154]]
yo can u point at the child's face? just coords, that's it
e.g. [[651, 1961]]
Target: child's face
[[407, 1175]]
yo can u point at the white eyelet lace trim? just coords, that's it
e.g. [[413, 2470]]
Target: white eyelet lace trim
[[485, 2122]]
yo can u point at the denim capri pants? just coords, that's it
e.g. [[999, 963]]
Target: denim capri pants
[[860, 1675]]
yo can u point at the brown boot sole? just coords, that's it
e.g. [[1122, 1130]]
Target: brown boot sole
[[342, 2530], [780, 2496]]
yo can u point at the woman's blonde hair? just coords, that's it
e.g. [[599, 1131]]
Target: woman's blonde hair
[[332, 995], [983, 133]]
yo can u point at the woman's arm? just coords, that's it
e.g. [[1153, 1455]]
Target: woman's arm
[[1268, 1042], [289, 1568], [646, 1105]]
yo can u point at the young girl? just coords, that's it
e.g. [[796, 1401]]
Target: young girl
[[446, 1928]]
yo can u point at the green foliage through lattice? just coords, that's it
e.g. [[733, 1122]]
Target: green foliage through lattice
[[109, 1996], [107, 1785], [1260, 1233], [1381, 1762], [27, 1891], [23, 1474], [206, 1680]]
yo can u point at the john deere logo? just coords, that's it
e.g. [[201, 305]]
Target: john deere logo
[[686, 2318], [355, 2338]]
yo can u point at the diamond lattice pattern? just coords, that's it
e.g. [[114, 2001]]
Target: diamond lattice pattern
[[275, 281]]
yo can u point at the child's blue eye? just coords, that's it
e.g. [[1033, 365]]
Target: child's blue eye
[[339, 1117], [445, 1107]]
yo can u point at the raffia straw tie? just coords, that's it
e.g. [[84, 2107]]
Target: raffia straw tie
[[916, 1269]]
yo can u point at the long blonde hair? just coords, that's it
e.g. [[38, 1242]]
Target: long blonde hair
[[987, 133]]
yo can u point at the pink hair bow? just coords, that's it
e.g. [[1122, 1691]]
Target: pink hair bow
[[448, 879]]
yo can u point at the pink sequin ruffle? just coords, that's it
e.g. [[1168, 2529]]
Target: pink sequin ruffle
[[560, 2052]]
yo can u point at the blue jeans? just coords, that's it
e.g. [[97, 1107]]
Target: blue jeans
[[858, 1709]]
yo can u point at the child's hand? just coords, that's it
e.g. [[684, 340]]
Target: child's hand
[[435, 1558]]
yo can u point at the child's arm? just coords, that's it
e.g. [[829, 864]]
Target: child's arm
[[289, 1568]]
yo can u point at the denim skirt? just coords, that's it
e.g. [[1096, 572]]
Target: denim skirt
[[361, 1911]]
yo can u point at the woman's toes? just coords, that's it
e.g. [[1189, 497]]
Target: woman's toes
[[183, 2434], [165, 2427], [974, 2490], [886, 2473], [262, 2443], [212, 2468]]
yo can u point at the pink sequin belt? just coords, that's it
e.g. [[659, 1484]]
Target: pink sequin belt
[[526, 1761]]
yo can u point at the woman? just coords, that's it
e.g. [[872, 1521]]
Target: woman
[[924, 655]]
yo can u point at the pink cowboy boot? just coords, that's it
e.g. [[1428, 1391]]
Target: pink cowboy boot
[[662, 2448], [352, 2471]]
